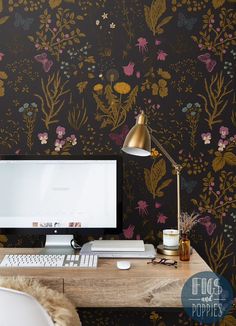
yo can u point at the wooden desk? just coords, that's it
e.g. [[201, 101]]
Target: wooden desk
[[144, 285]]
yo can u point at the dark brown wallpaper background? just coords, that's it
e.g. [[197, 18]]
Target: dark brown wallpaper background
[[75, 74]]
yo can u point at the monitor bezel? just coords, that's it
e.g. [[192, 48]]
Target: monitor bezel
[[74, 231]]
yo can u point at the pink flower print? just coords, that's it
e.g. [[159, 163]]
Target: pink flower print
[[142, 45], [129, 232], [59, 144], [161, 55], [206, 221], [1, 56], [157, 205], [43, 137], [129, 69], [156, 106], [224, 131], [73, 140], [138, 74], [138, 237], [142, 207], [162, 218], [222, 144], [206, 137], [60, 131], [157, 42], [232, 138]]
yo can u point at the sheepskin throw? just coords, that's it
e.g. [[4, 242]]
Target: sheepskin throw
[[59, 308]]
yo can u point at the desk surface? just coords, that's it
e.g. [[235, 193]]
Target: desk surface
[[144, 285]]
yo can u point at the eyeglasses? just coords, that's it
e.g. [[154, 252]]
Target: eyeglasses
[[163, 261]]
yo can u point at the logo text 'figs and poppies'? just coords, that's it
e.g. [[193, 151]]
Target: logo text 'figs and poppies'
[[207, 297]]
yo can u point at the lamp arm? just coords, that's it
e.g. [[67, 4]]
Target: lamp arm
[[178, 169]]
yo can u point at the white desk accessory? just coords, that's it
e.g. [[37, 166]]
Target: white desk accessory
[[119, 252], [171, 238], [118, 245], [123, 264]]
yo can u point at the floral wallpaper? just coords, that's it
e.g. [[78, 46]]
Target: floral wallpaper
[[74, 74]]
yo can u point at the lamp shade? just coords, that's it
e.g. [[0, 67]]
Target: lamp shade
[[138, 140]]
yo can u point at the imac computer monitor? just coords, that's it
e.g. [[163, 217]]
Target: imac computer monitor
[[60, 195]]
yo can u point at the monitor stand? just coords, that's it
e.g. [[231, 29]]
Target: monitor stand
[[58, 245]]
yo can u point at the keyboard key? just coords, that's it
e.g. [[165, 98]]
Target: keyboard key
[[95, 261], [91, 261], [86, 260]]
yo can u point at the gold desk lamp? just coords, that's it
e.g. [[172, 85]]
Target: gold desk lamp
[[138, 142]]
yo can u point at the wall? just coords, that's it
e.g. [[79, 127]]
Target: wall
[[75, 74]]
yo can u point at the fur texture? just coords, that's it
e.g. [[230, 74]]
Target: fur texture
[[60, 309]]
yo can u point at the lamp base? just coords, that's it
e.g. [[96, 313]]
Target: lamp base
[[167, 251]]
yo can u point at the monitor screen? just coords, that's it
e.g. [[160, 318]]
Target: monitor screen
[[65, 193]]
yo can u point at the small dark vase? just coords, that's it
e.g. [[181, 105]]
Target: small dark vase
[[184, 248]]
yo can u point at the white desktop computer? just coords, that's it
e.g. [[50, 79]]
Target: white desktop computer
[[62, 196]]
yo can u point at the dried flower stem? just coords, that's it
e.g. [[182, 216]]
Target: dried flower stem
[[53, 101], [187, 221], [217, 253], [216, 101]]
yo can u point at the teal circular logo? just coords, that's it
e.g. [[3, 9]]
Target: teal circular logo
[[207, 297]]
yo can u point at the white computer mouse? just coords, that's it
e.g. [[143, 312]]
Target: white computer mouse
[[123, 264]]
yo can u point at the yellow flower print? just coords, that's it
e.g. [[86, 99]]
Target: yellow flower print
[[154, 316], [1, 85], [154, 152], [54, 3], [162, 83], [122, 88], [163, 90], [164, 74], [3, 76], [155, 89], [160, 88], [3, 239], [98, 87]]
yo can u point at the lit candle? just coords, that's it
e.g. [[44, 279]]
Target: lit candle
[[171, 238]]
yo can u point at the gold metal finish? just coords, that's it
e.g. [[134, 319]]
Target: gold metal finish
[[178, 197], [142, 119], [139, 136], [168, 252], [178, 169], [138, 142]]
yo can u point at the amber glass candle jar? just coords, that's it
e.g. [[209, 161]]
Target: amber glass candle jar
[[184, 248]]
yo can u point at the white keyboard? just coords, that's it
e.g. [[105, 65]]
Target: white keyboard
[[81, 261]]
